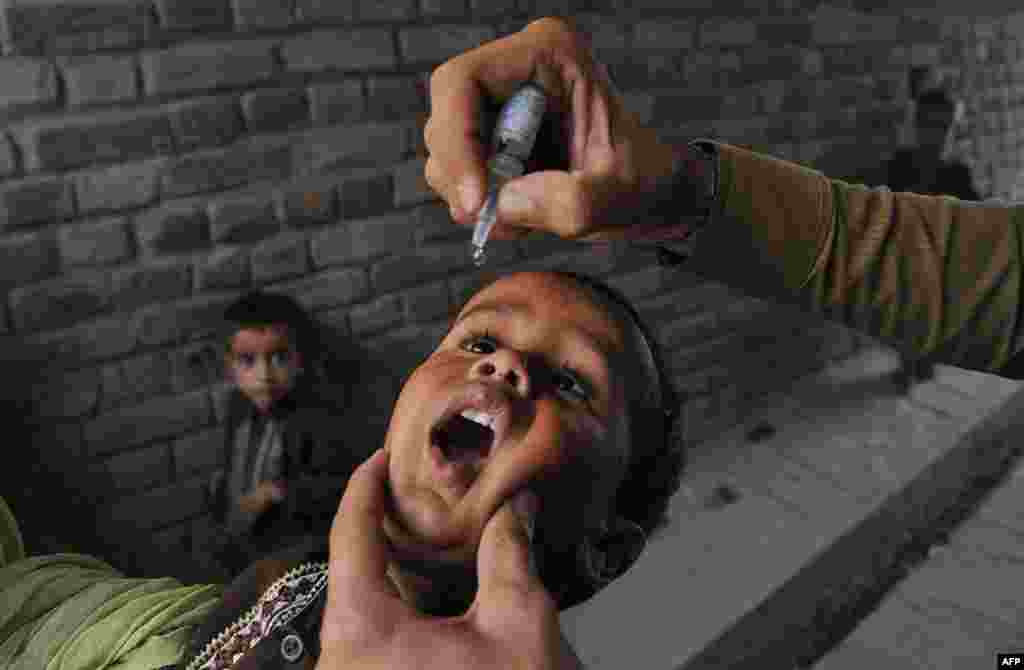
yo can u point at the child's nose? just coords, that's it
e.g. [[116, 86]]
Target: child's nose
[[262, 369]]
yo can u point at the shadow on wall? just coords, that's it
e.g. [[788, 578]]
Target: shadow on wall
[[44, 479]]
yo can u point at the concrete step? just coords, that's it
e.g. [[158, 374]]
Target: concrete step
[[847, 474], [959, 607]]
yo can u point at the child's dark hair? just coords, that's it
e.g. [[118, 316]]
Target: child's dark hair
[[654, 474], [258, 309]]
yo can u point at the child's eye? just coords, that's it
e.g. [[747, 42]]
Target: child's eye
[[475, 340], [574, 385], [247, 359], [566, 379]]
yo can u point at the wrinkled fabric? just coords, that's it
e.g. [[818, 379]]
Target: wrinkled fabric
[[76, 612], [932, 275]]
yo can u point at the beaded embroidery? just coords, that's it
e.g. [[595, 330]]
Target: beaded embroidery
[[286, 598]]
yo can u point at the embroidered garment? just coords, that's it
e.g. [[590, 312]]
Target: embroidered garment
[[286, 599]]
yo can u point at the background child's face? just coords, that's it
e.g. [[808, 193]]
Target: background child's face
[[548, 361], [264, 364]]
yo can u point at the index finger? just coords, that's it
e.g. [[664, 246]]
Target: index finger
[[544, 51]]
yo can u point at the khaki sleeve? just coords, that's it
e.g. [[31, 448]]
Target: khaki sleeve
[[931, 274]]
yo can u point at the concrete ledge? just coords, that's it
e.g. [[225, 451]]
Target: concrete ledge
[[853, 471]]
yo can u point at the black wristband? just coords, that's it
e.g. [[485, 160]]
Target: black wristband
[[686, 203]]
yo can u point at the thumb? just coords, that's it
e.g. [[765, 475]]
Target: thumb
[[550, 200], [506, 568]]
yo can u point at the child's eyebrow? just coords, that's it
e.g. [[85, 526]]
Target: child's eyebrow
[[591, 341]]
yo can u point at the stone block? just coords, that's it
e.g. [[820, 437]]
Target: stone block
[[396, 10], [220, 396], [57, 303], [8, 157], [345, 147], [339, 102], [376, 316], [411, 186], [835, 25], [423, 264], [28, 257], [68, 395], [604, 32], [305, 204], [36, 200], [122, 186], [666, 34], [206, 122], [101, 243], [277, 110], [223, 268], [433, 222], [98, 339], [284, 256], [200, 452], [193, 15], [137, 286], [365, 196], [99, 80], [196, 365], [332, 246], [357, 49], [639, 284], [263, 14], [394, 97], [380, 235], [206, 66], [68, 142], [173, 227], [485, 9], [133, 380], [443, 9], [439, 42], [426, 303], [727, 33], [28, 84], [259, 159], [155, 508], [783, 30], [242, 219], [329, 289], [138, 469], [325, 11], [37, 27], [187, 320]]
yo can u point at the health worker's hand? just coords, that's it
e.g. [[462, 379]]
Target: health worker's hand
[[512, 624]]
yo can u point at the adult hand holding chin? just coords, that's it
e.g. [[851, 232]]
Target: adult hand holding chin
[[512, 623]]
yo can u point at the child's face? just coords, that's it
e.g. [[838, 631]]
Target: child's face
[[548, 362], [264, 364]]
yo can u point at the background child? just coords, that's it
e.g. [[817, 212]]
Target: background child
[[281, 434]]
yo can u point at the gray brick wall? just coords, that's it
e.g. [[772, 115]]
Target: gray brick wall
[[161, 156]]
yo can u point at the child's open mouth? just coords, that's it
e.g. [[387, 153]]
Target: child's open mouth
[[465, 438]]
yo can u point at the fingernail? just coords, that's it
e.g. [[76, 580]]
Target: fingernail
[[469, 195], [514, 204]]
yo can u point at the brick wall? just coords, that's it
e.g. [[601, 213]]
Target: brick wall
[[160, 156]]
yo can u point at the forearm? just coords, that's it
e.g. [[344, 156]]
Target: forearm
[[932, 274]]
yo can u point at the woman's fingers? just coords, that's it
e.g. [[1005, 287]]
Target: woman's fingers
[[359, 550], [510, 595]]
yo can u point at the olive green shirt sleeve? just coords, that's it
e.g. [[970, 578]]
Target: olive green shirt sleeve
[[930, 274]]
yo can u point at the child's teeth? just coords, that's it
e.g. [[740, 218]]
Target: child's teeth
[[479, 417]]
